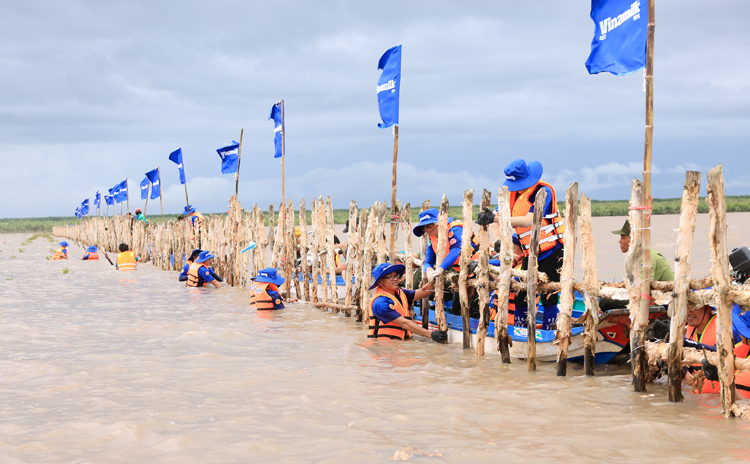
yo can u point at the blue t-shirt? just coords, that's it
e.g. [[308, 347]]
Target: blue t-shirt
[[381, 306], [276, 298], [453, 253]]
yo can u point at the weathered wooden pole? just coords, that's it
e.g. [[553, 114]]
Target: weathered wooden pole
[[350, 251], [303, 252], [506, 266], [633, 277], [395, 210], [326, 284], [425, 303], [360, 277], [315, 251], [482, 273], [408, 257], [567, 298], [237, 175], [678, 306], [368, 247], [442, 225], [291, 249], [278, 240], [591, 292], [331, 252], [722, 286], [466, 252], [531, 278], [271, 234], [380, 232]]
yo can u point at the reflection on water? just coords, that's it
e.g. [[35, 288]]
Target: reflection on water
[[98, 366]]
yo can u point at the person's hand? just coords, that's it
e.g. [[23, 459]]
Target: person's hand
[[440, 336], [498, 247], [436, 272], [710, 371], [485, 217], [660, 330]]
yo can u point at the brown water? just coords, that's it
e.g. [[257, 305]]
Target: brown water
[[101, 366]]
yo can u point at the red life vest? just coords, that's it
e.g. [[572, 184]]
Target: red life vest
[[61, 253], [552, 230], [126, 261], [260, 298], [193, 278], [92, 256], [378, 329], [451, 240]]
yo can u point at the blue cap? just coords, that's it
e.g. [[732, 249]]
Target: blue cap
[[741, 322], [204, 256], [384, 269], [64, 243], [188, 209], [426, 217], [91, 249], [520, 176], [270, 276]]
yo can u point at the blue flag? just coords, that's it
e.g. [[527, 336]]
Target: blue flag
[[78, 212], [153, 176], [229, 156], [389, 86], [176, 158], [109, 199], [121, 191], [85, 207], [619, 45], [278, 128], [97, 199], [144, 188]]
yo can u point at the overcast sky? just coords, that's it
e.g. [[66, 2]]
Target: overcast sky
[[92, 92]]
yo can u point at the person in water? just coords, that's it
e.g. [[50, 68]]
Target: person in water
[[199, 272], [91, 254], [193, 256], [389, 308], [265, 294], [661, 271], [195, 217], [126, 259], [62, 252], [139, 215]]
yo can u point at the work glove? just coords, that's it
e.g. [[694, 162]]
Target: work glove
[[472, 266], [498, 246], [485, 217], [660, 330], [439, 336], [436, 272], [710, 371]]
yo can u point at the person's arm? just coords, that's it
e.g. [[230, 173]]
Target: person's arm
[[278, 301], [84, 257], [423, 292], [205, 274], [455, 247], [429, 258], [522, 221]]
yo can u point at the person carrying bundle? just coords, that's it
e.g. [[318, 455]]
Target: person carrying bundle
[[91, 254], [265, 294], [62, 252], [199, 272], [126, 259]]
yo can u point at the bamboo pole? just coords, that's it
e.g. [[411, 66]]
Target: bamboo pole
[[720, 270], [678, 307], [291, 249], [161, 203], [482, 273], [466, 252], [145, 206], [239, 158], [283, 151], [633, 277], [591, 295], [425, 304], [408, 258], [395, 210], [305, 282], [531, 279], [440, 280], [127, 195], [567, 298], [350, 252], [504, 279]]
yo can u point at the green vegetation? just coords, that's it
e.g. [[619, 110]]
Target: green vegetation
[[65, 270]]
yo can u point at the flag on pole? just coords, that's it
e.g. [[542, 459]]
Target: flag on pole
[[144, 188], [121, 191], [85, 207], [176, 158], [620, 33], [153, 176], [78, 212], [229, 155], [389, 86], [109, 199], [97, 199], [278, 129]]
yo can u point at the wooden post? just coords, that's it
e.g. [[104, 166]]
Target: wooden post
[[303, 252], [466, 252], [331, 252], [239, 158], [291, 249], [531, 278], [442, 225], [722, 286], [315, 252], [161, 203], [278, 242], [395, 213], [187, 200], [145, 207], [506, 267], [678, 307], [633, 273], [483, 277], [350, 252], [408, 256], [425, 304], [380, 232], [591, 287], [368, 246], [359, 276], [567, 298], [127, 196], [323, 239], [283, 150]]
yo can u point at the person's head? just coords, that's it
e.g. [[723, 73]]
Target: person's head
[[387, 276], [194, 255], [204, 257], [520, 175], [698, 316], [138, 211], [91, 249], [624, 234], [181, 217], [188, 210], [427, 223], [346, 228], [64, 244], [123, 247], [269, 275], [336, 240]]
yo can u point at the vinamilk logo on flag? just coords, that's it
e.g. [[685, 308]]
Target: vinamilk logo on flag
[[389, 86], [109, 199], [153, 176], [144, 188], [85, 207], [278, 128], [229, 155], [176, 158], [121, 191], [619, 45]]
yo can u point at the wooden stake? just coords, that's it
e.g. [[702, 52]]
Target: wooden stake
[[359, 276], [350, 251], [408, 256], [367, 246], [591, 294], [395, 212], [303, 253], [466, 252], [483, 289], [531, 278], [633, 273], [425, 304], [440, 281], [127, 195], [720, 270], [567, 298], [322, 245], [506, 262], [678, 307], [239, 158], [283, 150], [315, 251], [291, 249], [271, 233], [380, 232]]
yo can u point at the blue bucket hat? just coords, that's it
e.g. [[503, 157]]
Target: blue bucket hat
[[188, 209], [741, 322], [63, 243], [519, 175], [426, 217], [270, 276], [384, 269], [204, 256], [91, 249]]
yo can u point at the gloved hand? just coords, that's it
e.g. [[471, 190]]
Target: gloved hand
[[439, 336], [472, 266], [498, 246], [660, 330], [436, 272], [710, 371], [485, 217]]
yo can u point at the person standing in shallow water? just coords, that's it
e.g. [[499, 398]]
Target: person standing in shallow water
[[265, 294], [661, 271], [62, 252], [126, 260]]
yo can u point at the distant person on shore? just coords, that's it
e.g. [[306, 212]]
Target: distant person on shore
[[139, 215], [661, 271], [62, 252], [91, 254], [195, 217], [199, 272], [126, 260], [191, 259], [265, 294], [389, 308]]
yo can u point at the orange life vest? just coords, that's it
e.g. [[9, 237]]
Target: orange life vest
[[511, 305], [451, 225], [552, 230], [193, 278], [707, 337], [59, 254], [126, 261], [199, 216], [93, 256], [260, 298], [379, 329]]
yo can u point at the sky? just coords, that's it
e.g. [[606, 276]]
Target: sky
[[92, 92]]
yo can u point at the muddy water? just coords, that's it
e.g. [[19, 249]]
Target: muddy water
[[101, 366]]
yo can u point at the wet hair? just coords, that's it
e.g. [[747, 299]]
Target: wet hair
[[195, 254], [123, 247]]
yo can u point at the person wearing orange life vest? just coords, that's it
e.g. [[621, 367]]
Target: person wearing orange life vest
[[199, 274], [389, 307], [524, 181], [265, 294], [195, 217], [126, 259], [517, 261], [62, 252], [91, 254]]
